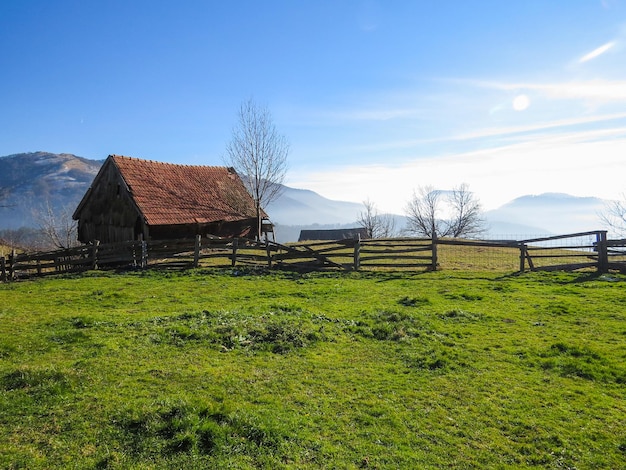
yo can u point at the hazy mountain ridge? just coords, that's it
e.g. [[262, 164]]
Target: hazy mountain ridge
[[58, 169], [297, 206], [33, 179], [554, 213]]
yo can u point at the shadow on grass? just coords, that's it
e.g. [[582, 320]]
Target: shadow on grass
[[564, 278]]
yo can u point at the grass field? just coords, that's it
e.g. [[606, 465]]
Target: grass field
[[238, 369]]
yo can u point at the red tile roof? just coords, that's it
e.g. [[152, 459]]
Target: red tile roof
[[169, 194]]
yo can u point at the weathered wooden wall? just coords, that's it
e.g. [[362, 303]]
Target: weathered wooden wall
[[108, 213]]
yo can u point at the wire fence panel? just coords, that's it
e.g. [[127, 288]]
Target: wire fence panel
[[475, 257], [572, 251]]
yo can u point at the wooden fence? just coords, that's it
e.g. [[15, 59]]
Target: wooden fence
[[616, 254], [563, 252]]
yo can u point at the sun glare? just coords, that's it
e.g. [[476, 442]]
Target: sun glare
[[521, 102]]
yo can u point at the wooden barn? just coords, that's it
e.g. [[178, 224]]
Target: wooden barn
[[132, 198]]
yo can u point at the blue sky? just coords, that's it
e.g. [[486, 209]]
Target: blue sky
[[376, 98]]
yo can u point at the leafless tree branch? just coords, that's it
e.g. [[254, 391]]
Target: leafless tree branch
[[614, 216], [467, 220], [422, 212], [59, 229], [425, 213], [375, 224]]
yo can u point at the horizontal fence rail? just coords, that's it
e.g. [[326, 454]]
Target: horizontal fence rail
[[564, 252], [416, 253]]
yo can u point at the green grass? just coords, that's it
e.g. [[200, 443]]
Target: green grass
[[237, 369]]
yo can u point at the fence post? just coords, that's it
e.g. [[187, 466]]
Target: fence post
[[12, 265], [144, 253], [94, 254], [196, 251], [3, 269], [357, 253], [234, 256], [603, 255], [268, 251], [434, 250], [522, 257]]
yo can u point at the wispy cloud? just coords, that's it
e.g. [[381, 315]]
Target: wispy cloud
[[540, 126], [516, 133], [597, 52], [604, 90]]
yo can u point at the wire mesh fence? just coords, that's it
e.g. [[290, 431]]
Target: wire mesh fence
[[521, 251], [477, 258]]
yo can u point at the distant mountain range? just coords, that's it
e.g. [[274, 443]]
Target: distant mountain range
[[29, 181]]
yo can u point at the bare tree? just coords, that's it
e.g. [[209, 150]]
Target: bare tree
[[25, 238], [375, 224], [457, 213], [614, 216], [466, 218], [57, 227], [423, 212], [259, 154]]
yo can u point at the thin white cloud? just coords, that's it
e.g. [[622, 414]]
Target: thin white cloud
[[599, 90], [407, 144], [597, 52], [496, 131]]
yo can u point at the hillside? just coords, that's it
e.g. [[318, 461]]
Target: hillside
[[29, 181], [305, 207]]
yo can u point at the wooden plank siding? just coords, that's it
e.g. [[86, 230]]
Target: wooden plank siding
[[108, 211]]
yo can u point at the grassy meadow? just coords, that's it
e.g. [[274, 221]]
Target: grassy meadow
[[240, 369]]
